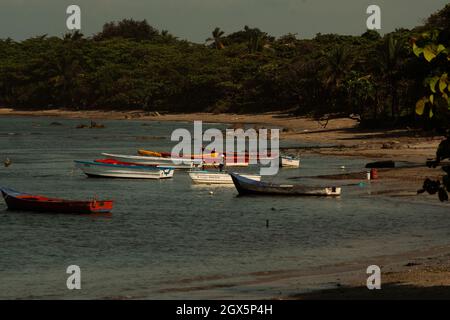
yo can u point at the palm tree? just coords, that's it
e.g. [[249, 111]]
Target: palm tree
[[391, 53], [217, 38], [256, 39], [74, 36], [338, 62], [167, 37], [337, 65]]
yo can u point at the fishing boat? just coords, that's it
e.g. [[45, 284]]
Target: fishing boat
[[247, 186], [213, 158], [208, 177], [111, 170], [26, 202], [289, 162], [176, 163], [150, 153]]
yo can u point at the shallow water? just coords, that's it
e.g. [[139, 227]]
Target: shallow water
[[167, 235]]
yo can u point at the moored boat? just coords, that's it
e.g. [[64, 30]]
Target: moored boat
[[208, 177], [289, 162], [213, 158], [110, 170], [247, 186], [176, 163], [26, 202], [150, 153]]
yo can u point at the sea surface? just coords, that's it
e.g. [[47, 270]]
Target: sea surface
[[171, 239]]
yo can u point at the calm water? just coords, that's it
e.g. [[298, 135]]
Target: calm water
[[166, 235]]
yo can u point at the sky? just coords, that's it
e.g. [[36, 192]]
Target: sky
[[195, 19]]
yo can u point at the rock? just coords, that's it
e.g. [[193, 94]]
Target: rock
[[412, 264], [7, 162], [391, 145], [95, 125]]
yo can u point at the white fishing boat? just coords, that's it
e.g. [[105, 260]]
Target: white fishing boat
[[97, 169], [176, 163], [289, 162], [207, 177]]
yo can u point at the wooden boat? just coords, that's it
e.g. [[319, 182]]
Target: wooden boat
[[247, 186], [26, 202], [253, 155], [145, 160], [110, 170], [114, 161], [208, 177], [289, 162], [150, 153]]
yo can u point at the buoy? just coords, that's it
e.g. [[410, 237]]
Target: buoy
[[211, 193], [342, 167], [373, 174]]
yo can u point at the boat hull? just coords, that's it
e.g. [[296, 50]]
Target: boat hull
[[155, 161], [100, 170], [289, 163], [24, 202], [203, 177], [250, 187]]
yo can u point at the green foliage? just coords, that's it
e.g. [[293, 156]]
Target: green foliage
[[131, 65], [128, 29], [432, 48]]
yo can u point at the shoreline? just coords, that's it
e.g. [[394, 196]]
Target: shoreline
[[346, 138]]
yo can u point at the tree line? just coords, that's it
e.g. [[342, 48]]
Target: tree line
[[132, 65]]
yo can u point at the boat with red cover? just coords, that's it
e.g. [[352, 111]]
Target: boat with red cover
[[26, 202], [123, 163]]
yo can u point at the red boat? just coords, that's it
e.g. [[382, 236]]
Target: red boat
[[26, 202]]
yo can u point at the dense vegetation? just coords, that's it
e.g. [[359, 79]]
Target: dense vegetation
[[131, 65], [434, 48]]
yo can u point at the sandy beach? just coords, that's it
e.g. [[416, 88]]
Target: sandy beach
[[424, 274]]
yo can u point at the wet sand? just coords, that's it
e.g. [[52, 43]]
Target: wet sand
[[417, 276]]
